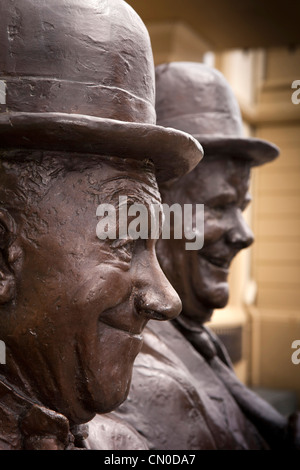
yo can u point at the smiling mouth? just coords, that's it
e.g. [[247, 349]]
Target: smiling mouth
[[223, 263], [133, 334]]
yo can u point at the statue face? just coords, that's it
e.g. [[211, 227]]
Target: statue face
[[82, 303], [201, 277]]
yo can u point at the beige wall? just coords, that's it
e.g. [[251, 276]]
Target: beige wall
[[276, 222]]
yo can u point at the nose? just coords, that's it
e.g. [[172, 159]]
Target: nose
[[240, 235], [155, 298]]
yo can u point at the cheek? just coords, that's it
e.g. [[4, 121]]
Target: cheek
[[214, 229], [105, 286], [199, 274], [171, 255], [189, 273]]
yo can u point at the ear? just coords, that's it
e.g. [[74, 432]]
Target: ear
[[7, 236]]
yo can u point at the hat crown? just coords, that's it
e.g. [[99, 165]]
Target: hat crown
[[89, 57], [197, 99]]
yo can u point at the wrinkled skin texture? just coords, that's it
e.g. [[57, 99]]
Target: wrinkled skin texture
[[201, 277], [74, 323]]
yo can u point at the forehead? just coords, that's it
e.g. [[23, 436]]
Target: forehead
[[66, 181], [218, 176], [135, 180]]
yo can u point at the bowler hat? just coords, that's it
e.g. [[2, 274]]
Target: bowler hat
[[78, 76], [197, 99]]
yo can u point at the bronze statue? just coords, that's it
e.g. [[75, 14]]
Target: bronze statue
[[77, 129], [184, 392]]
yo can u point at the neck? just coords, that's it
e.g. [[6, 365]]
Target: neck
[[10, 373], [27, 425], [196, 320]]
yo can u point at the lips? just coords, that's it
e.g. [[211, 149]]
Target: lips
[[133, 331], [219, 262]]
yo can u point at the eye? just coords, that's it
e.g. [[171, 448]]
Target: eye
[[124, 248], [221, 208]]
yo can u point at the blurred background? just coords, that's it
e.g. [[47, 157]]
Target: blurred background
[[256, 45]]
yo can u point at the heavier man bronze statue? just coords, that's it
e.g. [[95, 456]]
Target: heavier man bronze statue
[[77, 128], [184, 393]]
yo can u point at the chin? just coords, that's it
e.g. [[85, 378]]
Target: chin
[[219, 297], [199, 306], [196, 312], [108, 398]]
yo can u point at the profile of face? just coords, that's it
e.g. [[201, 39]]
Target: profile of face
[[77, 305], [201, 276]]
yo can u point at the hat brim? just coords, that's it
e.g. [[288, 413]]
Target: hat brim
[[256, 151], [174, 153]]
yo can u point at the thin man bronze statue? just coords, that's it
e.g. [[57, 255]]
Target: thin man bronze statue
[[77, 129]]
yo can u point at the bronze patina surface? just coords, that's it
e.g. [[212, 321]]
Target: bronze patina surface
[[77, 129]]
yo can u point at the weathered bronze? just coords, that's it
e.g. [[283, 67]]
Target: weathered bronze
[[77, 128], [184, 392]]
